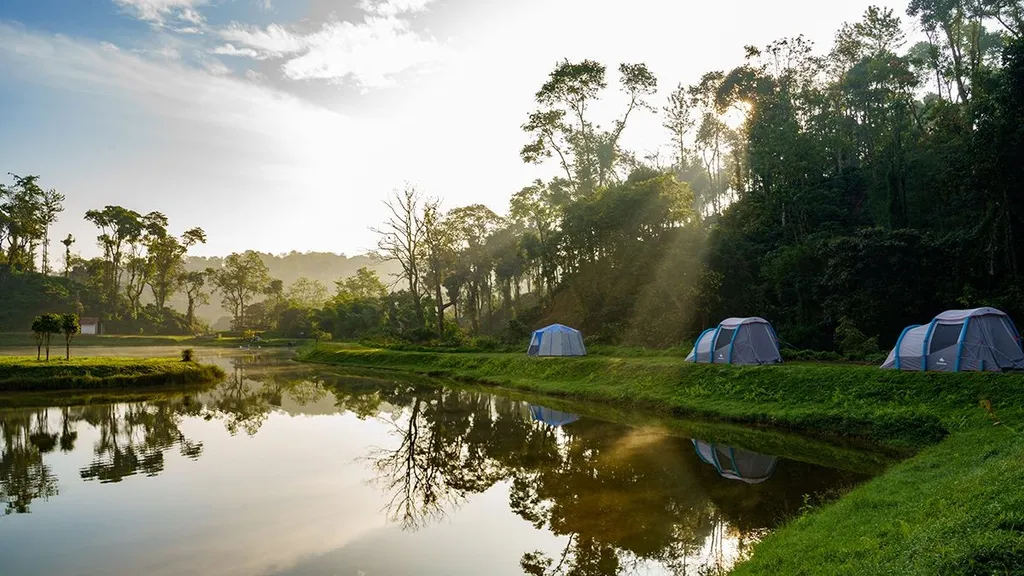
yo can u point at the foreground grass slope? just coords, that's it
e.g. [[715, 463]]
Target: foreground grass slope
[[29, 374], [956, 507]]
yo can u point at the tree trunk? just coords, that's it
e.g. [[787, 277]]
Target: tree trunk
[[440, 309], [67, 345]]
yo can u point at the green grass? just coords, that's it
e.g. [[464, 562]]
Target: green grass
[[28, 374], [955, 507], [27, 340]]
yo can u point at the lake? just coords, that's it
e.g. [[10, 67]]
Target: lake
[[292, 469]]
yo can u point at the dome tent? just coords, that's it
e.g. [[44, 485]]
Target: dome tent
[[742, 341], [979, 339], [557, 340], [736, 463], [553, 418]]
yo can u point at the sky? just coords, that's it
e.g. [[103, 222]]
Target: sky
[[281, 125]]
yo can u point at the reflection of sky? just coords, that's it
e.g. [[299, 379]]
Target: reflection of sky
[[296, 498], [290, 499]]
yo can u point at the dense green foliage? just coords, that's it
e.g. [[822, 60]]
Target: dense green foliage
[[841, 193], [23, 374], [951, 509]]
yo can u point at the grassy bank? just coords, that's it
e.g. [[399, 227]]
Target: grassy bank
[[28, 374], [956, 507]]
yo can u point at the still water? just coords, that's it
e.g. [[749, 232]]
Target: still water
[[286, 469]]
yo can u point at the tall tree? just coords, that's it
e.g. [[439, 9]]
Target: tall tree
[[400, 239], [242, 278], [67, 242], [119, 228], [561, 125], [23, 220], [439, 247], [193, 283], [306, 293], [166, 256]]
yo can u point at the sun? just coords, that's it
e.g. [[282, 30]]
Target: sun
[[736, 115]]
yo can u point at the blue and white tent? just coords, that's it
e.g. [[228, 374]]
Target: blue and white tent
[[978, 340], [743, 341], [551, 417], [736, 463], [557, 340]]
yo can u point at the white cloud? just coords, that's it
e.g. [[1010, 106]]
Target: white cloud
[[273, 42], [191, 16], [230, 142], [188, 30], [231, 50], [371, 52], [394, 7], [215, 67], [156, 11], [255, 76]]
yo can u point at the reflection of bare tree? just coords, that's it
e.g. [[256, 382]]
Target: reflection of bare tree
[[23, 475], [434, 467]]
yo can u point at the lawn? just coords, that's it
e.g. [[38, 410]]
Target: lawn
[[29, 374]]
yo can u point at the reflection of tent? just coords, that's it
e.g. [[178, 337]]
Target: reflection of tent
[[978, 339], [557, 340], [737, 464], [737, 341], [552, 417]]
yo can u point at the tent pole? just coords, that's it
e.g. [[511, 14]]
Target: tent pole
[[960, 344], [924, 346]]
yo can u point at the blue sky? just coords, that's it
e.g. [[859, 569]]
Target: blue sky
[[280, 125]]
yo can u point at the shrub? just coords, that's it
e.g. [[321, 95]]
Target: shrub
[[485, 343], [188, 355], [515, 332], [852, 342]]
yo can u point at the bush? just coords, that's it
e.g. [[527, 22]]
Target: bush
[[419, 335], [188, 355], [454, 336], [515, 332], [485, 343], [852, 342]]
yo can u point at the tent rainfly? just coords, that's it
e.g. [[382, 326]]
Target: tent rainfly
[[977, 340], [736, 463], [557, 340], [554, 418], [742, 341]]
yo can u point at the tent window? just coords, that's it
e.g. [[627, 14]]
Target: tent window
[[724, 337], [944, 336]]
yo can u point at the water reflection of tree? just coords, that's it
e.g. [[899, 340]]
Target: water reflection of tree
[[620, 497], [251, 391], [435, 465], [135, 436], [24, 476]]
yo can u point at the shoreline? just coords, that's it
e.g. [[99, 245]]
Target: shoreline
[[956, 505]]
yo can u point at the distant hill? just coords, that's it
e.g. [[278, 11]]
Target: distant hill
[[323, 266]]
